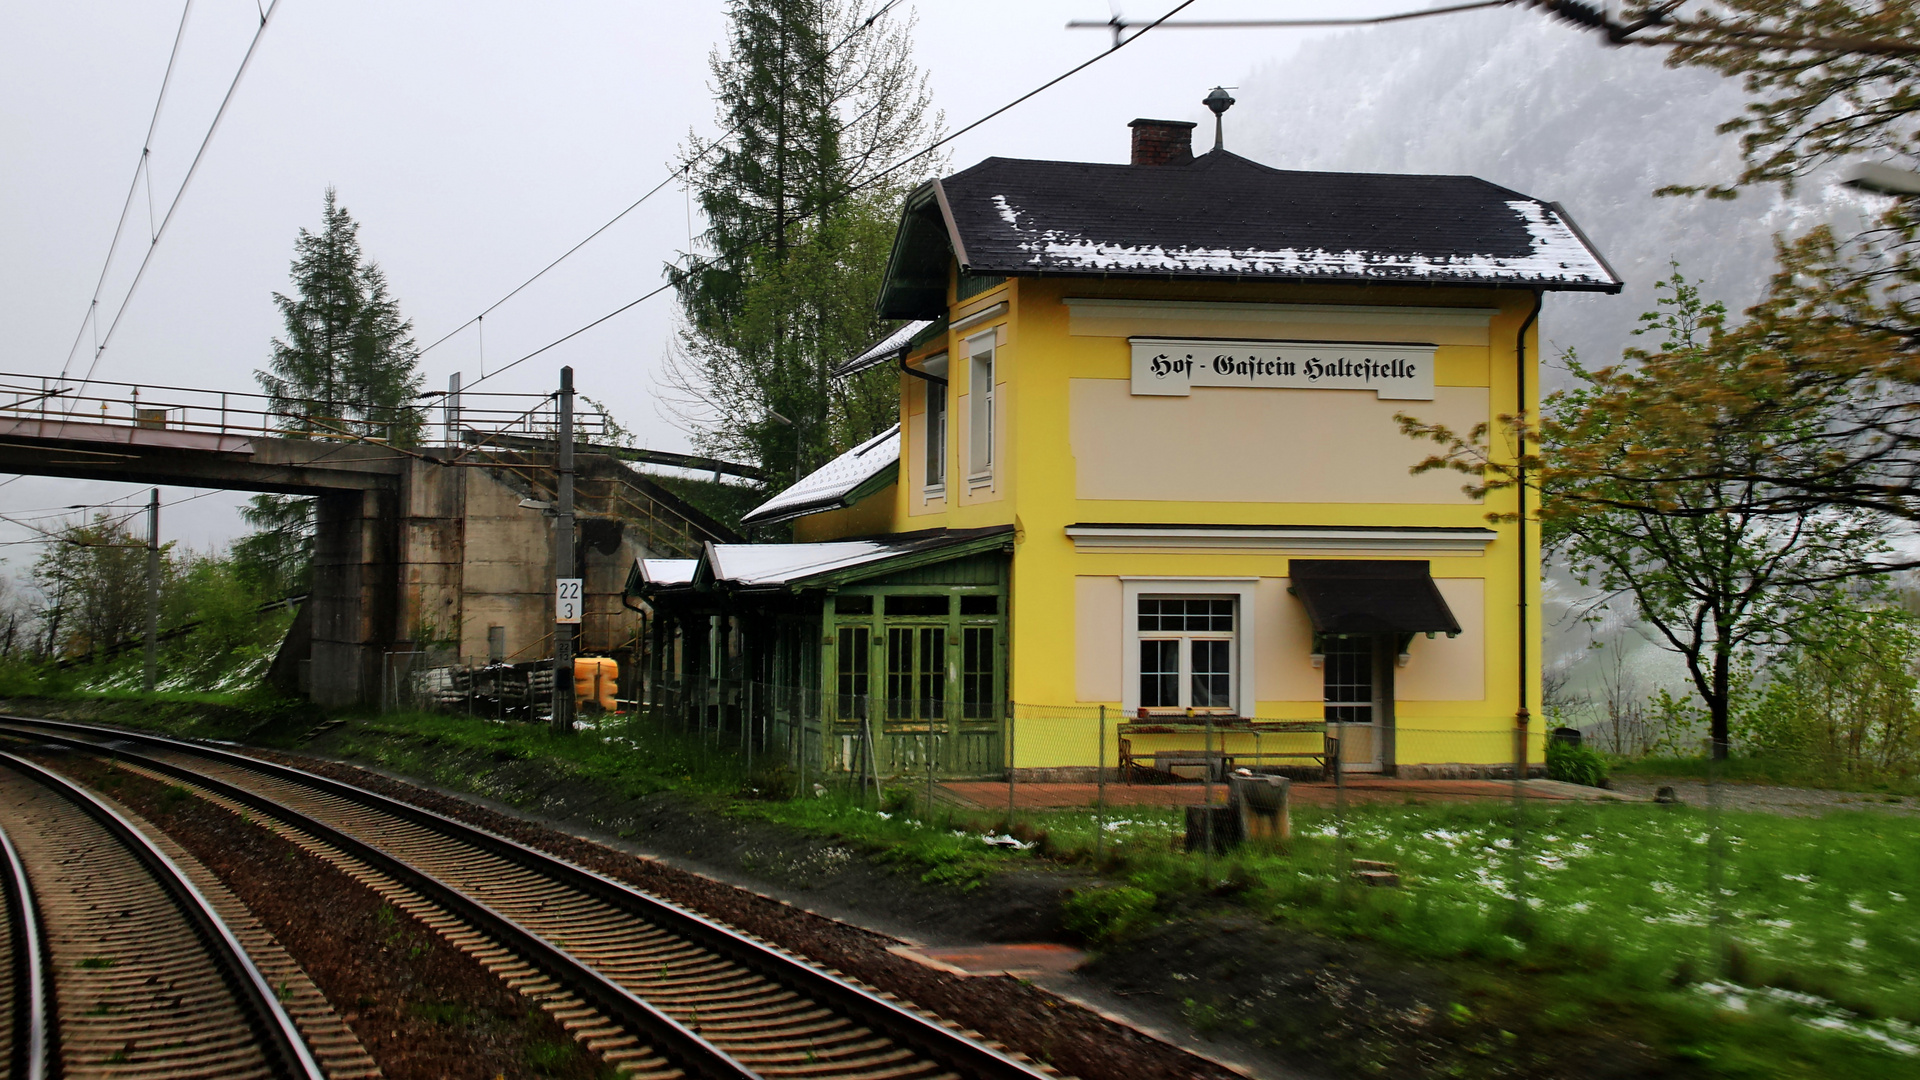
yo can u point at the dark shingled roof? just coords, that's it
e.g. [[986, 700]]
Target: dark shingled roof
[[1223, 216]]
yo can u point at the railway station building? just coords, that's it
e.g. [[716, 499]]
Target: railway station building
[[1148, 503]]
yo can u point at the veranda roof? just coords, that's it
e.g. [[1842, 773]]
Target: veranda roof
[[843, 481]]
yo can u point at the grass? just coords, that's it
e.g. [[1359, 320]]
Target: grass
[[257, 716], [630, 761], [1815, 928]]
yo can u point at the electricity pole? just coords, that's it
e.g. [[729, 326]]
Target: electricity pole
[[153, 591], [569, 597]]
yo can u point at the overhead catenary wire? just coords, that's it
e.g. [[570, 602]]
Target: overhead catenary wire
[[864, 184], [1119, 25], [141, 166], [677, 174], [173, 206]]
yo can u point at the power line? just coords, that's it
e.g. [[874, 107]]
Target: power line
[[139, 166], [564, 255], [680, 173], [192, 169], [867, 183], [1119, 25]]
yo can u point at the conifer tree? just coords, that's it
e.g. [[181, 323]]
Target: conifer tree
[[346, 369], [817, 99]]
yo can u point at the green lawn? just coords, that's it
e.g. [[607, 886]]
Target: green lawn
[[1816, 921]]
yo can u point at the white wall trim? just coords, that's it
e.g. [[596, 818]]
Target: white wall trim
[[978, 317], [1467, 542], [1131, 589], [1082, 307]]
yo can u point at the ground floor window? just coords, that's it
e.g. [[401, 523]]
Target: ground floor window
[[1187, 646], [851, 660], [919, 658], [916, 672], [977, 683], [1348, 678]]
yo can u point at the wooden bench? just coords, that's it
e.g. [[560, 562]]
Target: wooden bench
[[1221, 762]]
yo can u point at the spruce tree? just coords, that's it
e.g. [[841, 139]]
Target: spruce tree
[[818, 98], [347, 369]]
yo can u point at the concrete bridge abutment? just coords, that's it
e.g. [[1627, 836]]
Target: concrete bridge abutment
[[353, 603]]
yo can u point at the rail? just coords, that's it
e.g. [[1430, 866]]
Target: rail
[[32, 999], [947, 1049], [279, 1039], [438, 418]]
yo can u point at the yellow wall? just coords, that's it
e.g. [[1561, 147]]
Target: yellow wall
[[1077, 447]]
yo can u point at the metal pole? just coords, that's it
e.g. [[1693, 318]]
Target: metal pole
[[563, 558], [1519, 861], [1342, 865], [453, 409], [1100, 779], [1010, 711], [1206, 772], [151, 673]]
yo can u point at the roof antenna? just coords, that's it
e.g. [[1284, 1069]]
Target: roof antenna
[[1219, 101]]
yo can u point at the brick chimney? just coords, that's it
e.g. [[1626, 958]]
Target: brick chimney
[[1162, 142]]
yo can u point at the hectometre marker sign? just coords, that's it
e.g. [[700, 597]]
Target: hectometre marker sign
[[1170, 367]]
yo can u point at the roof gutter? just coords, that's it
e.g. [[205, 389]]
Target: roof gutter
[[917, 373]]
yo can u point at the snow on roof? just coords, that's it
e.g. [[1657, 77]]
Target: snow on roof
[[1555, 254], [886, 348], [668, 571], [827, 487], [776, 564]]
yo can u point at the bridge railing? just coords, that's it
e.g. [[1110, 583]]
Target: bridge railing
[[438, 418]]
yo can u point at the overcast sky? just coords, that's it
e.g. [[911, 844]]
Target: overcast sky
[[474, 142]]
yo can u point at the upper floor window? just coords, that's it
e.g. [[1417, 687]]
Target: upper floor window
[[980, 407], [936, 433]]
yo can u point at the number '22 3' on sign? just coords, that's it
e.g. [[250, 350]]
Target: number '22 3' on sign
[[566, 600]]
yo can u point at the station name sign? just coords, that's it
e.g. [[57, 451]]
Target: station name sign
[[1170, 367]]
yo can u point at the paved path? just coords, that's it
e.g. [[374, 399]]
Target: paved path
[[1767, 798], [986, 794]]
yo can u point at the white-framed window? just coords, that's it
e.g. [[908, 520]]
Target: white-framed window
[[936, 426], [980, 376], [1186, 652], [1188, 644]]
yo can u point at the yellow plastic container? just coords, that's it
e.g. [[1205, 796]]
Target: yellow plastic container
[[596, 679]]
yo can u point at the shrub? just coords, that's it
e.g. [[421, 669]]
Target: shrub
[[1575, 764], [1101, 915]]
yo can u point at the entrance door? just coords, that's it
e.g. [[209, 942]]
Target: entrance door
[[1352, 700]]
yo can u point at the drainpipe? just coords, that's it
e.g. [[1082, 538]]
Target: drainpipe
[[1521, 716]]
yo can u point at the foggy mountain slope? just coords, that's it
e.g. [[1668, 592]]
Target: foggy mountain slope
[[1550, 112]]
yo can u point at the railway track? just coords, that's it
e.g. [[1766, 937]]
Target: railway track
[[148, 980], [656, 989]]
